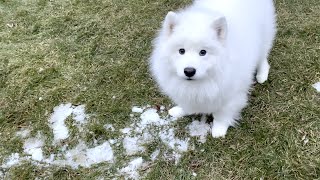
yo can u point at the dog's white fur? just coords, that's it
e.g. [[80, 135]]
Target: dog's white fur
[[237, 36]]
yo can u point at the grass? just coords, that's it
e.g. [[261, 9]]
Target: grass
[[95, 53]]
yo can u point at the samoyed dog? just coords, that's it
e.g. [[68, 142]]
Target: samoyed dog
[[206, 55]]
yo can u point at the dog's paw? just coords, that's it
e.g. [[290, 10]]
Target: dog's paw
[[263, 71], [219, 130], [176, 112], [262, 77]]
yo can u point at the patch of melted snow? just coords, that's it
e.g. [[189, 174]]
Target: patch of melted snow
[[137, 109], [150, 126], [59, 116], [23, 133], [131, 171], [33, 147], [317, 86], [12, 160], [199, 129]]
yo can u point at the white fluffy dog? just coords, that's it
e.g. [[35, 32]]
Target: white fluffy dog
[[206, 55]]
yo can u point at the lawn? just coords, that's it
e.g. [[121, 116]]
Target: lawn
[[95, 53]]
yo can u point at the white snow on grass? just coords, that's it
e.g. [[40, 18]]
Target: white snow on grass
[[150, 116], [33, 147], [137, 109], [60, 114], [199, 129], [49, 160], [12, 160], [57, 120], [83, 156], [23, 133], [154, 155], [113, 141], [131, 171], [177, 145], [148, 125], [109, 127], [317, 86], [125, 130], [79, 114], [168, 137], [132, 145], [101, 153]]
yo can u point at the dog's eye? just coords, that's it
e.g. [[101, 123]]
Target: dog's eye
[[182, 51], [202, 52]]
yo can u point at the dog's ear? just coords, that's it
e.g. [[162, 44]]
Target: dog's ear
[[220, 28], [169, 22]]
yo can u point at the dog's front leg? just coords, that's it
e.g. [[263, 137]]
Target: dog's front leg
[[228, 115], [221, 124]]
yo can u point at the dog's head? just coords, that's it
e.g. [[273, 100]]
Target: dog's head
[[195, 43]]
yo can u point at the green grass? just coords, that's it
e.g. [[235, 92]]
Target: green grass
[[86, 52]]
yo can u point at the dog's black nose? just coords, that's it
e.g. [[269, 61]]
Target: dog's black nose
[[189, 71]]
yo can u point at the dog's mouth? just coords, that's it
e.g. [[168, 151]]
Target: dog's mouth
[[189, 79]]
